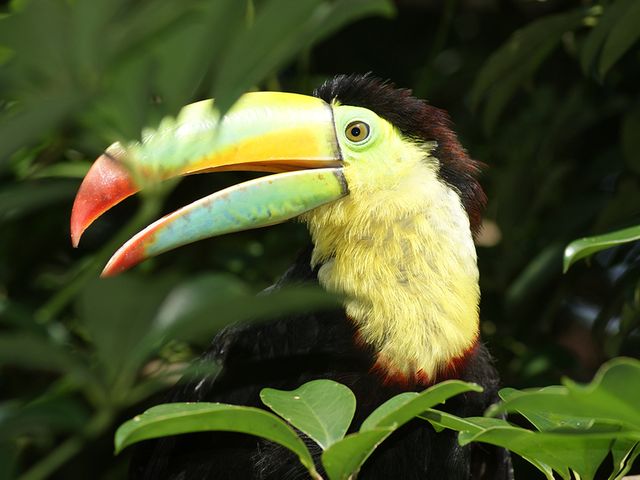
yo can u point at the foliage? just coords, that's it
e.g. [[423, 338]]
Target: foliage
[[585, 247], [557, 120], [321, 409], [575, 426]]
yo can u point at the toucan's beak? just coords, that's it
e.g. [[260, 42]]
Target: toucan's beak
[[287, 134]]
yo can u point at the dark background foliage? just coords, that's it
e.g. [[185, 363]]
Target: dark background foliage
[[553, 111]]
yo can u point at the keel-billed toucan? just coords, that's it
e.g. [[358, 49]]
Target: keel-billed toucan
[[392, 202]]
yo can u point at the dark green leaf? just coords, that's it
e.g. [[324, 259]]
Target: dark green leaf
[[388, 407], [258, 50], [514, 57], [58, 414], [623, 35], [611, 398], [395, 413], [201, 318], [585, 247], [344, 459], [177, 418], [592, 46], [112, 306], [322, 409], [33, 352], [24, 198]]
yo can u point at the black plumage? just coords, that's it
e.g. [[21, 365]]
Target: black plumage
[[288, 352]]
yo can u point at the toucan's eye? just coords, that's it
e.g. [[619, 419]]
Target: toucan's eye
[[357, 131]]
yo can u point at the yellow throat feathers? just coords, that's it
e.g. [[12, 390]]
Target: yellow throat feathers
[[399, 248]]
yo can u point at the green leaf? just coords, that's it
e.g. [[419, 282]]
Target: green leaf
[[396, 412], [592, 47], [64, 170], [623, 35], [624, 453], [585, 247], [197, 319], [178, 418], [25, 198], [547, 421], [322, 409], [516, 60], [344, 459], [58, 414], [546, 451], [611, 398], [127, 303], [581, 453], [259, 50], [39, 353], [391, 405]]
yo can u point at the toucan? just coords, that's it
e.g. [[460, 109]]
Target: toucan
[[392, 202]]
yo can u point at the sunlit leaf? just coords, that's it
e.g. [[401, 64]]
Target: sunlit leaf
[[610, 398], [345, 458], [322, 409], [585, 247], [546, 451], [395, 413], [178, 418], [624, 452]]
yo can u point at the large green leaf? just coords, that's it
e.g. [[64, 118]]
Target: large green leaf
[[581, 452], [343, 459], [322, 409], [27, 197], [579, 424], [611, 398], [398, 411], [39, 353], [58, 414], [261, 48], [585, 247], [179, 418], [516, 60], [127, 303], [190, 313], [623, 35], [606, 18]]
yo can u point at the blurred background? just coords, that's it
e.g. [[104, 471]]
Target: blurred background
[[545, 93]]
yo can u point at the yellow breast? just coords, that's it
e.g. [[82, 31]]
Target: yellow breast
[[400, 249]]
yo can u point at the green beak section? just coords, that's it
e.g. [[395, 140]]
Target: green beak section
[[256, 203]]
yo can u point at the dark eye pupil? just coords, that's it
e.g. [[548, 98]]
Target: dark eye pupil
[[355, 131]]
